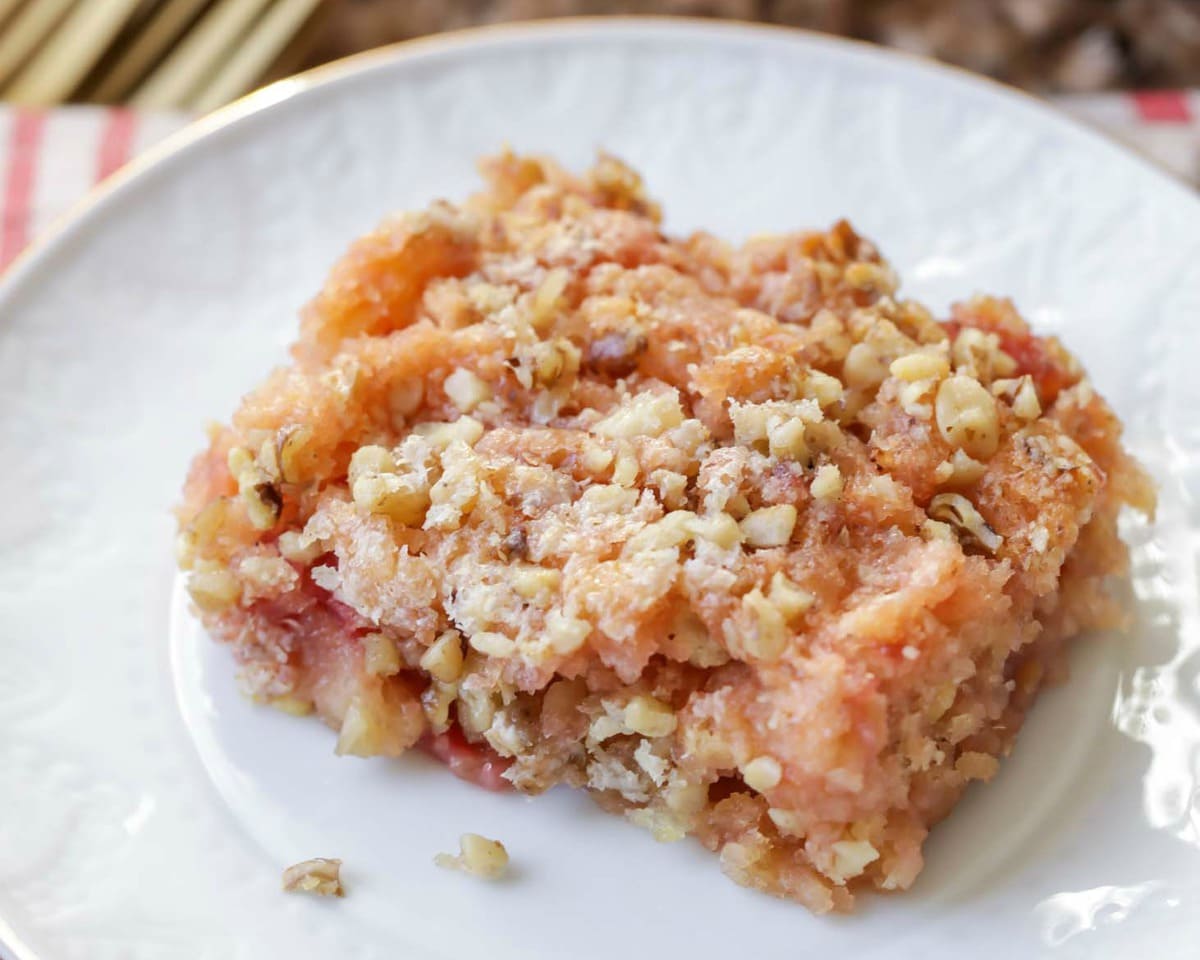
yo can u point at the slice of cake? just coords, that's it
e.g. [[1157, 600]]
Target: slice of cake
[[731, 537]]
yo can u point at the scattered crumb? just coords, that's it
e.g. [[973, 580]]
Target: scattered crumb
[[320, 876], [477, 856]]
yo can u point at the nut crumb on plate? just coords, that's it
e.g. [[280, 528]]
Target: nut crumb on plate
[[320, 876], [736, 538], [477, 856]]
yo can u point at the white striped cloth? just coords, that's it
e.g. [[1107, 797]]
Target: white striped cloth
[[50, 159], [1162, 124]]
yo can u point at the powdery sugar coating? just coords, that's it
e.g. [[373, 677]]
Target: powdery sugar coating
[[732, 537]]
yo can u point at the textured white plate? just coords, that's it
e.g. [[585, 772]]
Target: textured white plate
[[146, 810]]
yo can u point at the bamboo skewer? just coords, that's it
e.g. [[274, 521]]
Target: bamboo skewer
[[181, 74], [252, 59], [28, 28], [152, 54], [57, 68], [163, 27]]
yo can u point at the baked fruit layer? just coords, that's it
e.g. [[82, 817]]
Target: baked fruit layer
[[732, 537]]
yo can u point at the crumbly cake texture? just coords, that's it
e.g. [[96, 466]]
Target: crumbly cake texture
[[732, 537]]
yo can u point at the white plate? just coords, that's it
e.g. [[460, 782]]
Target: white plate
[[146, 810]]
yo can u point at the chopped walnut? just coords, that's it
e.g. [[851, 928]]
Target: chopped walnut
[[298, 548], [924, 365], [380, 655], [293, 453], [827, 482], [1021, 394], [213, 589], [959, 470], [789, 599], [851, 858], [444, 659], [957, 511], [477, 856], [649, 717], [865, 366], [769, 526], [262, 498], [977, 766], [361, 732], [292, 706], [320, 876], [763, 633], [492, 643], [762, 774], [966, 416], [616, 354], [646, 415], [466, 391]]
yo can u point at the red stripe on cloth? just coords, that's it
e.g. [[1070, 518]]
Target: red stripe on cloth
[[24, 140], [1162, 106], [116, 141]]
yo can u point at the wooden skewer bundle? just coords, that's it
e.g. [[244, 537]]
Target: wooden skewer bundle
[[154, 54]]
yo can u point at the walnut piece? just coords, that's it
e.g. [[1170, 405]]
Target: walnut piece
[[477, 856], [320, 876]]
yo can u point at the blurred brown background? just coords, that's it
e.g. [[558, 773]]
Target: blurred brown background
[[197, 54], [1049, 45]]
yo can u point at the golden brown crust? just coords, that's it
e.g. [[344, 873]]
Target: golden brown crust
[[733, 538]]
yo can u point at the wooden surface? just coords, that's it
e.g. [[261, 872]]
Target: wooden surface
[[1047, 45]]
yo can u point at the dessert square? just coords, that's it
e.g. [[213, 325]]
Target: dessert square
[[733, 537]]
